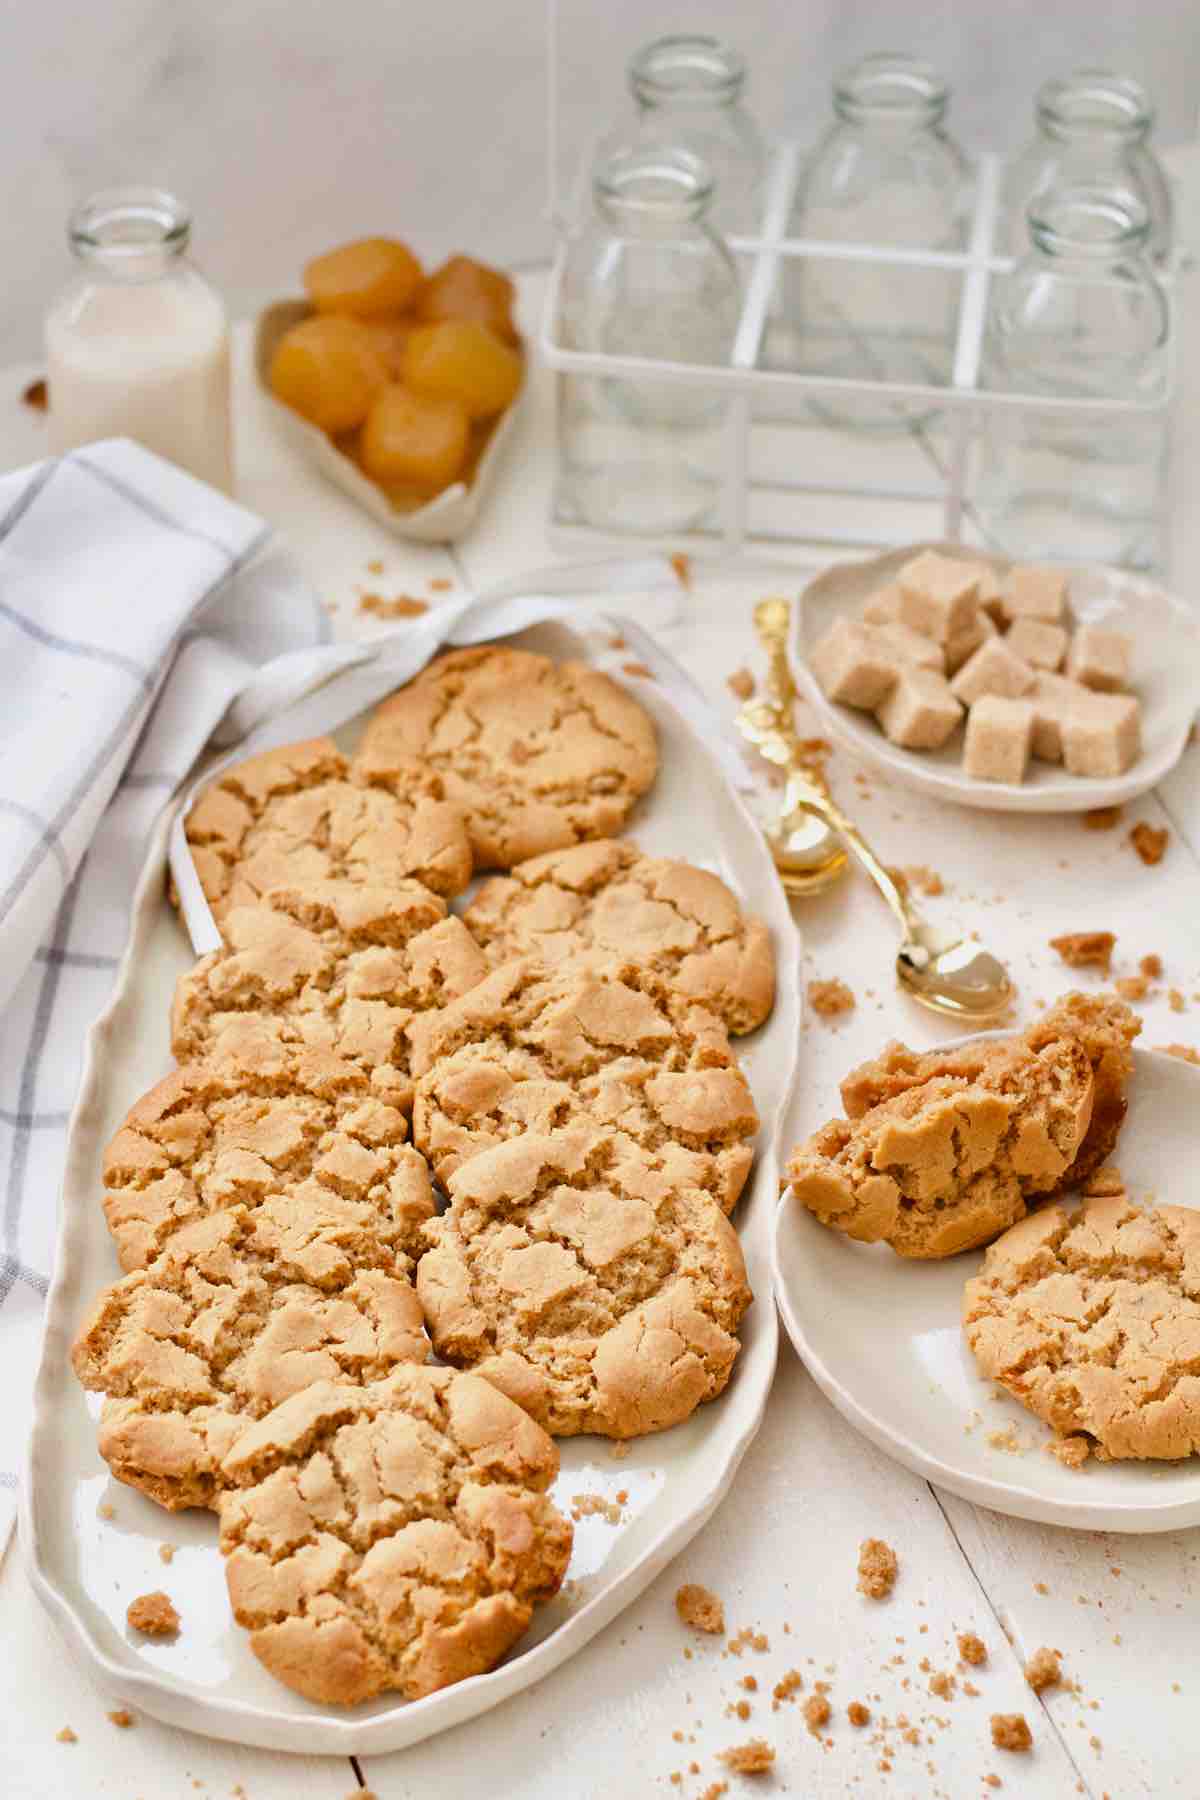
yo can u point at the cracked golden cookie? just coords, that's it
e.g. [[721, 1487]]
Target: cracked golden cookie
[[575, 1277], [329, 967], [1102, 1024], [392, 1536], [605, 901], [297, 815], [212, 1136], [949, 1164], [244, 1308], [527, 1050], [535, 754], [1091, 1319]]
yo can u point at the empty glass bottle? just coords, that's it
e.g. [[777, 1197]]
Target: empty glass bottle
[[688, 92], [646, 276], [887, 175], [1094, 128], [1080, 318]]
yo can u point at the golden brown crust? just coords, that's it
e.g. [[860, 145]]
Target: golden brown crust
[[1092, 1320], [597, 1293], [297, 815], [536, 755], [605, 902], [948, 1164], [529, 1051], [390, 1536]]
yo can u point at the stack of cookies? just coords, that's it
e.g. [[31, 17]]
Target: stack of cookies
[[507, 1139]]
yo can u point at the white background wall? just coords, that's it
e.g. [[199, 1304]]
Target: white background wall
[[290, 124]]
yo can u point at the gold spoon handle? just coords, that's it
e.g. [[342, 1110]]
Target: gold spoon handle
[[806, 783]]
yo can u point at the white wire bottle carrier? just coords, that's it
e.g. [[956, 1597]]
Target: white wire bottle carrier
[[918, 478]]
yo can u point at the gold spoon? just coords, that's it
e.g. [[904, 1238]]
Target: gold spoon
[[945, 973]]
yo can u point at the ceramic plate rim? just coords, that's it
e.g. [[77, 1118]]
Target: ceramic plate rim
[[1064, 793], [173, 1699], [1012, 1497]]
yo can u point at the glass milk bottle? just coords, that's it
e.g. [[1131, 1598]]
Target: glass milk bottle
[[1080, 318], [1093, 128], [887, 176], [688, 91], [645, 277], [138, 344]]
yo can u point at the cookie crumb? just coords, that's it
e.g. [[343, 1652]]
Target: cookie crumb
[[1175, 1000], [925, 879], [993, 1781], [154, 1615], [1039, 1587], [1152, 966], [617, 643], [829, 999], [65, 1736], [587, 1506], [1044, 1669], [639, 669], [700, 1608], [787, 1685], [1086, 949], [440, 584], [106, 1511], [740, 1709], [741, 684], [858, 1714], [1102, 818], [1150, 842], [403, 606], [817, 1711], [681, 562], [1132, 987], [972, 1648], [1071, 1452], [620, 1449], [942, 1684], [753, 1758], [36, 396], [715, 1790], [375, 566], [122, 1718], [1184, 1052], [1010, 1732], [750, 1683], [877, 1568]]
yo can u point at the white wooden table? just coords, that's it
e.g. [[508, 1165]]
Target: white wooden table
[[645, 1699]]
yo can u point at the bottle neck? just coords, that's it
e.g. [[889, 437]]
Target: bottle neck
[[130, 234], [1089, 230], [1094, 108], [653, 193], [686, 74], [892, 95]]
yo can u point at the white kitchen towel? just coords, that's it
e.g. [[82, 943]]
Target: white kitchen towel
[[135, 603]]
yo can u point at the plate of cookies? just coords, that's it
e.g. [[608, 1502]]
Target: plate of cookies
[[989, 1267], [1010, 687], [413, 1305]]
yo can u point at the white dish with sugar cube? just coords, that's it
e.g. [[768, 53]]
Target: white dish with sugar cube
[[1165, 677]]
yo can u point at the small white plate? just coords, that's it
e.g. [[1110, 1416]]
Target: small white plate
[[881, 1338], [1166, 678]]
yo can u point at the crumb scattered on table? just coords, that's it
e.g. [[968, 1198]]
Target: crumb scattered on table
[[750, 1683], [154, 1615], [402, 606], [1044, 1669], [639, 669], [829, 999], [715, 1790], [700, 1608], [681, 562], [166, 1553], [1184, 1052], [1152, 966], [972, 1648], [122, 1718], [924, 879], [749, 1639], [375, 566], [817, 1711], [741, 684], [858, 1714], [1132, 987], [37, 396], [1150, 841], [1010, 1732], [942, 1684], [1085, 949], [617, 643], [753, 1758], [65, 1736], [1101, 818], [787, 1686], [106, 1511], [1175, 1000], [440, 584], [877, 1568], [587, 1506]]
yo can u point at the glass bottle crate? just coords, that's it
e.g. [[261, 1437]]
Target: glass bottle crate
[[788, 480]]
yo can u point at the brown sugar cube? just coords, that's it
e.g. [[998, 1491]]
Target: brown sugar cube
[[999, 739], [1100, 659], [1051, 698], [884, 607], [962, 647], [994, 669], [852, 666], [920, 713], [911, 646], [939, 595], [1038, 642], [1101, 734], [1035, 593]]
